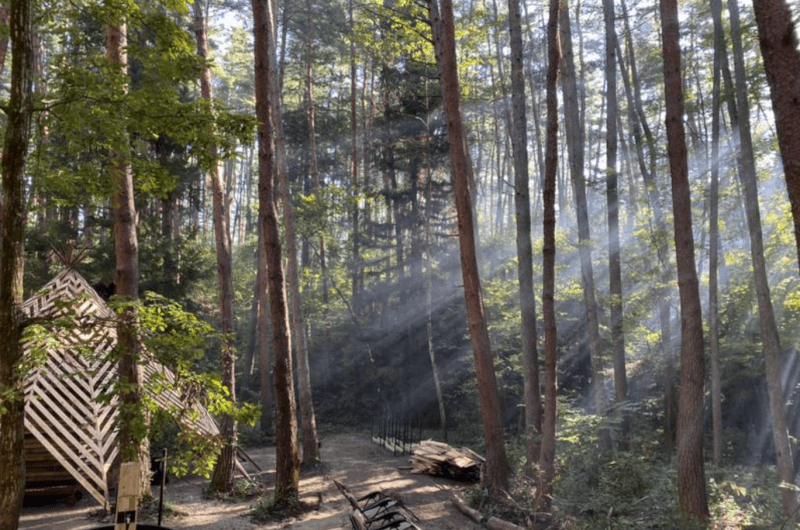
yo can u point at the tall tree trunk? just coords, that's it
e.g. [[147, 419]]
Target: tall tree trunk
[[692, 498], [643, 136], [169, 211], [287, 476], [222, 478], [769, 329], [437, 382], [297, 319], [713, 235], [263, 333], [312, 150], [612, 200], [575, 148], [249, 358], [778, 42], [495, 476], [132, 418], [356, 275], [15, 150], [522, 206], [548, 456]]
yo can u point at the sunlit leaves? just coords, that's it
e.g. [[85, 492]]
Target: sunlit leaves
[[94, 107]]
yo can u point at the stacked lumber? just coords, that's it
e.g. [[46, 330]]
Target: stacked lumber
[[437, 458]]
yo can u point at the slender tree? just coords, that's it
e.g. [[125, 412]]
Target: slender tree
[[356, 277], [713, 236], [225, 468], [692, 497], [522, 207], [297, 318], [778, 42], [495, 474], [574, 137], [15, 149], [643, 138], [287, 476], [263, 333], [769, 329], [547, 460], [437, 380], [132, 418], [612, 201], [311, 122]]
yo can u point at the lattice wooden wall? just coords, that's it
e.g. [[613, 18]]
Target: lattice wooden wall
[[62, 409]]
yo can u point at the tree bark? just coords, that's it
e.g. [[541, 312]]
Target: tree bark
[[643, 136], [132, 418], [575, 148], [437, 382], [263, 334], [612, 201], [356, 274], [768, 327], [312, 155], [287, 475], [692, 497], [495, 476], [297, 319], [713, 235], [522, 207], [13, 215], [778, 42], [547, 459], [222, 479]]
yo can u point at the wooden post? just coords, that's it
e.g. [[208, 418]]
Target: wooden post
[[127, 496], [163, 483]]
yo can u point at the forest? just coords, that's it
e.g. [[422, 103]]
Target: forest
[[563, 234]]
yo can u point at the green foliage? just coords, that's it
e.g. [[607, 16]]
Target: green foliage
[[636, 489]]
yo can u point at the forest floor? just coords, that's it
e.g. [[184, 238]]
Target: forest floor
[[349, 458]]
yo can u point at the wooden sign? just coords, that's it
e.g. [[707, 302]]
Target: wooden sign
[[127, 496]]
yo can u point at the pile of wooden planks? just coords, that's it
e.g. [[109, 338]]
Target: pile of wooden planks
[[437, 458]]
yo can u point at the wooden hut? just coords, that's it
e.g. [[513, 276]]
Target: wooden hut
[[69, 432]]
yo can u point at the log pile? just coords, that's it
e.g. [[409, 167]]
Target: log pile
[[440, 459]]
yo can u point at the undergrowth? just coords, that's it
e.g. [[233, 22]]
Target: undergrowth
[[627, 490]]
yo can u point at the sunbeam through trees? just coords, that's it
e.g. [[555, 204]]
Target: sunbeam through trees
[[563, 235]]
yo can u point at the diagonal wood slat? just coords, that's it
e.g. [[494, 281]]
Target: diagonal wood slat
[[61, 398]]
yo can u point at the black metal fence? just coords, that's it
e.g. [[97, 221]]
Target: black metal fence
[[398, 433]]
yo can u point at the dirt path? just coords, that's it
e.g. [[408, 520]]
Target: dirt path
[[349, 458]]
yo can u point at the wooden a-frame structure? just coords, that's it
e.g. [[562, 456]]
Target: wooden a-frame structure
[[62, 410]]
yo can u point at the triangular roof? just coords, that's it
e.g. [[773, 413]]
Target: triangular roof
[[61, 407]]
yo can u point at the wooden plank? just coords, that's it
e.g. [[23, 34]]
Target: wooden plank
[[85, 438], [69, 451], [127, 496], [54, 377], [242, 470], [244, 456], [90, 488]]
